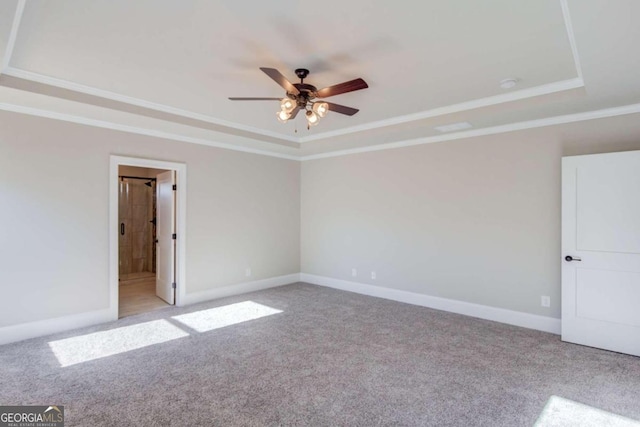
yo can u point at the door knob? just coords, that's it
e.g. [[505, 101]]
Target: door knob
[[570, 258]]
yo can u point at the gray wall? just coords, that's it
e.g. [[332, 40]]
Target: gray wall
[[475, 221], [243, 210]]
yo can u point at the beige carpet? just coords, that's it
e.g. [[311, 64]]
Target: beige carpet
[[305, 355]]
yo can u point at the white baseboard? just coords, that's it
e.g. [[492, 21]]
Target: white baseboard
[[24, 331], [240, 288], [517, 318]]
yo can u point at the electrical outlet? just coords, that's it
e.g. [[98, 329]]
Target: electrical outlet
[[247, 272], [354, 272], [545, 301], [373, 275]]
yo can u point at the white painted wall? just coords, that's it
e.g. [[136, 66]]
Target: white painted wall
[[243, 210]]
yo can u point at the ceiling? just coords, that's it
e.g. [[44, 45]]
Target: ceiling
[[166, 68]]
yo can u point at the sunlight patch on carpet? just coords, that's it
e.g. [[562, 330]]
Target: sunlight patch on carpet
[[220, 317], [71, 351], [560, 412]]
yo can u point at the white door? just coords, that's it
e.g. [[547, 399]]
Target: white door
[[601, 251], [166, 244]]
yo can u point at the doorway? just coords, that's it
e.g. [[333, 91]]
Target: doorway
[[146, 225], [138, 257]]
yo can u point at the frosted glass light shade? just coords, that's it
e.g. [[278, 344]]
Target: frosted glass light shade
[[287, 104], [312, 118], [283, 116], [321, 108]]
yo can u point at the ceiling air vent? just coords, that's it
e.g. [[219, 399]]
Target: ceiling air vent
[[453, 127]]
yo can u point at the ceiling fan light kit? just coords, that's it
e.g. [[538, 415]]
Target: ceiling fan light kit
[[321, 108], [301, 96], [283, 116], [287, 104], [312, 118]]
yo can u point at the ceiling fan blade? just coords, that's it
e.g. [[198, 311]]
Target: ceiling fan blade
[[280, 79], [294, 113], [254, 99], [345, 87], [342, 109]]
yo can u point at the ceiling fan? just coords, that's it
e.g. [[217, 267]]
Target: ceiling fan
[[302, 96]]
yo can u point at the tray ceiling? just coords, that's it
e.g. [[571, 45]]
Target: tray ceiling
[[427, 64]]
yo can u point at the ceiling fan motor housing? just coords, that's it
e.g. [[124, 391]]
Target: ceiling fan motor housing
[[307, 93]]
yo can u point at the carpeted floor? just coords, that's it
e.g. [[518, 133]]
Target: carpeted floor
[[307, 355]]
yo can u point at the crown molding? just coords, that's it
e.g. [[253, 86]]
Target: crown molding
[[7, 69], [88, 90], [493, 130], [13, 34], [546, 89], [136, 130], [571, 36], [550, 88]]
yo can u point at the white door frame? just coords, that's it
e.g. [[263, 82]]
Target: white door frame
[[181, 224]]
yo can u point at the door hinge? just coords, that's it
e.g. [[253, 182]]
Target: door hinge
[[174, 236], [175, 187], [173, 285]]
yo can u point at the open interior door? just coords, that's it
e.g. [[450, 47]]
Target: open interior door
[[601, 251], [165, 236]]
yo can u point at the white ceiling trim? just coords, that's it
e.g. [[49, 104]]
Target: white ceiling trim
[[532, 92], [470, 105], [39, 78], [136, 130], [88, 90], [455, 108], [13, 34], [570, 34], [531, 124], [547, 89]]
